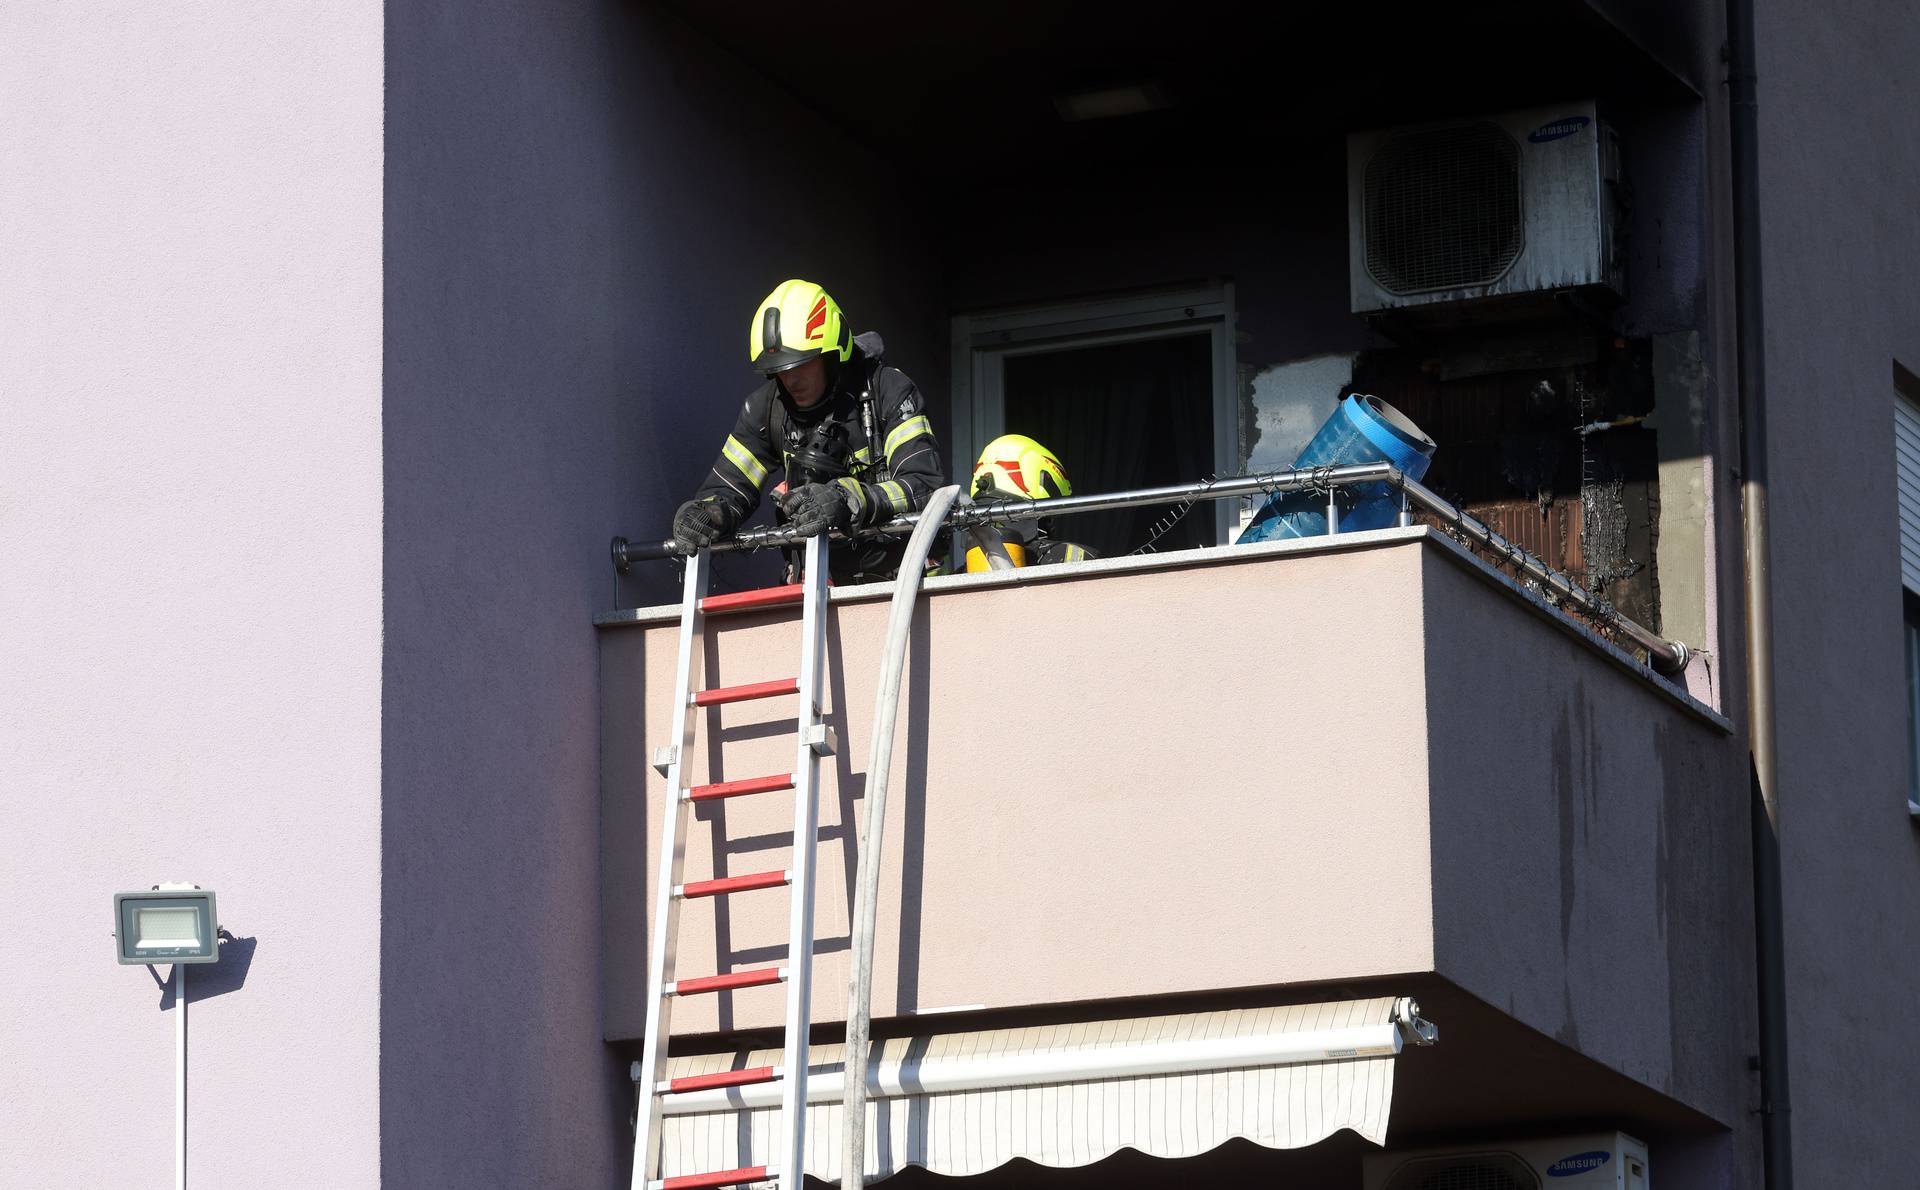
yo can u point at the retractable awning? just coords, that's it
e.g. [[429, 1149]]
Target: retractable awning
[[1064, 1095]]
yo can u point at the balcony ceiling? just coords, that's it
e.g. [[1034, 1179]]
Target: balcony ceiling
[[944, 90]]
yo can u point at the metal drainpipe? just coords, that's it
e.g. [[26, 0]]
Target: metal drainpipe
[[1776, 1131]]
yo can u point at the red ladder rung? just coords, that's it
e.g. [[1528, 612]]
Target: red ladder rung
[[734, 884], [725, 1177], [772, 784], [726, 1078], [725, 694], [722, 983], [740, 601]]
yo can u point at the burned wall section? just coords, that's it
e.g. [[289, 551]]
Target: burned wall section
[[1546, 410], [1506, 393], [1544, 437]]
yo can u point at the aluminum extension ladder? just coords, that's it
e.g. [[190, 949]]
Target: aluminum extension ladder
[[814, 740]]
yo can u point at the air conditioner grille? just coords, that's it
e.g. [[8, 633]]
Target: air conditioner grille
[[1480, 1171], [1443, 209]]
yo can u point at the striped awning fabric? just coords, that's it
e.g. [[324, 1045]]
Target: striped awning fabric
[[1229, 1085]]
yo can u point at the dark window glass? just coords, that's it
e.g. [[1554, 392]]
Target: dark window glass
[[1120, 416]]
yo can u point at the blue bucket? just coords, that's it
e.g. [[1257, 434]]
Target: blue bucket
[[1363, 429]]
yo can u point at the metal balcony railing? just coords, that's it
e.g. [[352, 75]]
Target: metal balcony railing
[[1666, 656]]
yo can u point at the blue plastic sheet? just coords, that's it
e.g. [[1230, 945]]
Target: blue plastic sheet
[[1363, 429]]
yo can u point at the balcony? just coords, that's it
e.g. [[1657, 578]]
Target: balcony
[[1362, 764]]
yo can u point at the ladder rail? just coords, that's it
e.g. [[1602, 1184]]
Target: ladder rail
[[812, 741], [790, 1159], [649, 1123]]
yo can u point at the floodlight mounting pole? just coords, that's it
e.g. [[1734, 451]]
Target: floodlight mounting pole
[[180, 1076]]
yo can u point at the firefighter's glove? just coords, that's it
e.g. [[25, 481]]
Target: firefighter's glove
[[700, 523], [819, 507]]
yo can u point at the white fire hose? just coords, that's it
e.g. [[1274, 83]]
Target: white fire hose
[[886, 706]]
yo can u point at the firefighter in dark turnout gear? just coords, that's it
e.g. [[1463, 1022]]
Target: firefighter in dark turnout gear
[[850, 435], [1015, 467]]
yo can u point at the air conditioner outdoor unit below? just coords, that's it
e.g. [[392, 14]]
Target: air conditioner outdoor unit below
[[1595, 1161], [1525, 202]]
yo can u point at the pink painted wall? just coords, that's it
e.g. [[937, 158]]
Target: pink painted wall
[[190, 508], [1590, 857], [1098, 792]]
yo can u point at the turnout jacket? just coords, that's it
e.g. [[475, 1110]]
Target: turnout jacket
[[869, 434], [1042, 548]]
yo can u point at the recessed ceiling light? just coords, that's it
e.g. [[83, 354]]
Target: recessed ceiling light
[[1114, 101]]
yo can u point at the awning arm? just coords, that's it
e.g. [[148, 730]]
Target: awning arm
[[1414, 1028]]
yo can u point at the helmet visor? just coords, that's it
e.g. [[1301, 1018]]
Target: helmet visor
[[772, 363]]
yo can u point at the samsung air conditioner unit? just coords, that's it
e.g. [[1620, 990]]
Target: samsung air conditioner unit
[[1595, 1161], [1523, 203]]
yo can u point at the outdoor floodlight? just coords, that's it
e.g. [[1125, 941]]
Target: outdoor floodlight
[[168, 923], [177, 924]]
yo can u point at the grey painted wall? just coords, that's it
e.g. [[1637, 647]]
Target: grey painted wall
[[1839, 172], [1841, 235], [582, 208], [1617, 891], [1274, 224]]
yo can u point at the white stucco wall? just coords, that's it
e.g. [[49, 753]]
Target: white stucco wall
[[190, 580]]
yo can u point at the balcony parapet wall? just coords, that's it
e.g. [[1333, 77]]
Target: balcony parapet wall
[[1304, 763]]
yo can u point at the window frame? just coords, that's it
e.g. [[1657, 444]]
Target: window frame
[[1910, 638], [984, 340], [1906, 399]]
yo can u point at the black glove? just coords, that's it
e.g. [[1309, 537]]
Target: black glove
[[817, 507], [700, 523]]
